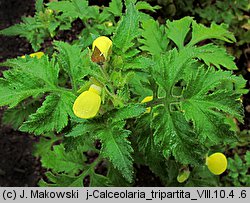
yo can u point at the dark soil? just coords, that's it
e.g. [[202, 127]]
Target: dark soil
[[244, 64], [11, 12], [17, 165]]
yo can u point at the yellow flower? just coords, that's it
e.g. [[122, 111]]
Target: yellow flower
[[48, 11], [101, 48], [108, 24], [37, 54], [217, 163], [88, 103], [145, 100]]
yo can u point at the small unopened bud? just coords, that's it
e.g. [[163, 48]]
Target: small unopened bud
[[101, 48], [145, 100], [37, 55]]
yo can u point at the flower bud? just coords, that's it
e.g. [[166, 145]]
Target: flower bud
[[108, 24], [48, 11], [145, 100], [37, 54], [217, 163], [101, 48], [183, 176]]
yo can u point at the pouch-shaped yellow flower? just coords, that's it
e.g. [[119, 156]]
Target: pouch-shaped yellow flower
[[101, 48], [217, 163], [37, 54], [87, 104], [145, 100]]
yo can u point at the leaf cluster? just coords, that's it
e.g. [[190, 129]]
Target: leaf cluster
[[238, 174], [233, 13]]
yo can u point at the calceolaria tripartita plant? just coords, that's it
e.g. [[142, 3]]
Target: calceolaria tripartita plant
[[135, 93]]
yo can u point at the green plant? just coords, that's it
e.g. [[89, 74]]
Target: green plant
[[193, 88], [233, 13], [238, 170], [35, 29], [49, 19]]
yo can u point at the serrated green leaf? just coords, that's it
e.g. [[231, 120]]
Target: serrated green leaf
[[235, 164], [31, 28], [117, 148], [130, 111], [144, 17], [61, 180], [27, 88], [16, 116], [44, 145], [131, 53], [116, 179], [64, 180], [178, 66], [247, 158], [13, 30], [174, 65], [128, 2], [151, 152], [200, 32], [238, 171], [139, 62], [202, 177], [213, 55], [171, 67], [154, 38], [140, 85], [73, 8], [177, 30], [83, 143], [52, 28], [51, 116], [81, 129], [60, 161], [71, 59], [48, 69], [127, 30], [142, 5], [28, 78], [175, 136], [39, 5], [97, 180], [207, 106], [115, 7]]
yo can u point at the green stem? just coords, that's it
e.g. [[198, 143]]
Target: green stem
[[73, 84], [112, 94], [60, 90], [87, 26], [104, 73]]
